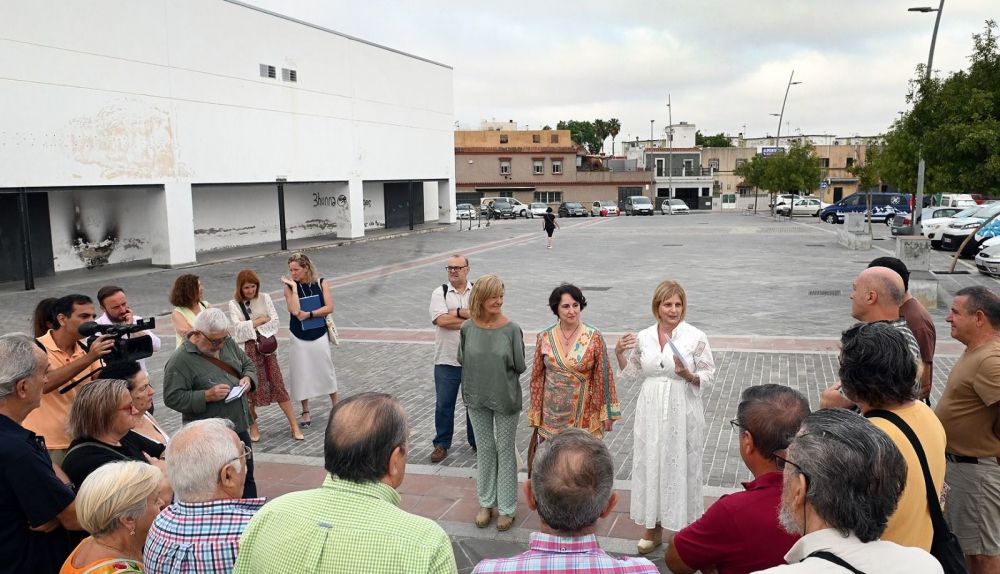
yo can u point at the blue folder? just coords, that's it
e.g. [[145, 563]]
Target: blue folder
[[311, 303]]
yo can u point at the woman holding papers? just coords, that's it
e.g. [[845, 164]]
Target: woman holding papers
[[675, 362], [310, 364]]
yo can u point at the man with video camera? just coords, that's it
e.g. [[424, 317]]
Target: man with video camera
[[69, 362], [117, 312]]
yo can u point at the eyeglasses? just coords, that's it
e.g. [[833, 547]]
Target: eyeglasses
[[453, 269], [782, 461], [214, 342], [128, 408], [738, 427], [246, 453]]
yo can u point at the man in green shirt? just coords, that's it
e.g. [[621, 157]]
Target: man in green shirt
[[352, 523], [209, 376]]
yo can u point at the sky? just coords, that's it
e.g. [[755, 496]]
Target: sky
[[724, 64]]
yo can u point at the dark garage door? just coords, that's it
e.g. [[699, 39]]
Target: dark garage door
[[397, 204], [11, 244]]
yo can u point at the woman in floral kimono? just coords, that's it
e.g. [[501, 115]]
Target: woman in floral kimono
[[572, 384]]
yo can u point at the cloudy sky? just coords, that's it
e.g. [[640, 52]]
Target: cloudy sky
[[725, 64]]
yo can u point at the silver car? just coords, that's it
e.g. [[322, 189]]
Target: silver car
[[603, 208], [988, 260], [674, 206]]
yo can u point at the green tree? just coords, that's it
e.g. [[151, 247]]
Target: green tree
[[718, 140], [582, 133], [954, 123], [869, 177], [614, 127], [602, 130], [797, 170]]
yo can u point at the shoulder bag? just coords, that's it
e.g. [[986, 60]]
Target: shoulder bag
[[265, 345], [331, 329], [944, 544]]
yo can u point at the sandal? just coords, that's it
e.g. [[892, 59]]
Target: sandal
[[484, 517], [305, 423]]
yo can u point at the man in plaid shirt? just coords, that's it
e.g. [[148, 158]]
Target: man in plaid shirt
[[570, 487], [200, 533]]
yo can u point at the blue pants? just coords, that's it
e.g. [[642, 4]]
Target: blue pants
[[447, 382]]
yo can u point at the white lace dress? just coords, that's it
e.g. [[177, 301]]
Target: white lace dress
[[669, 429]]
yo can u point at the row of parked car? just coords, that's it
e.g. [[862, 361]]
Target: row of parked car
[[508, 207]]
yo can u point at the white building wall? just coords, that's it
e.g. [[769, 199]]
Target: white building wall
[[113, 92], [374, 198]]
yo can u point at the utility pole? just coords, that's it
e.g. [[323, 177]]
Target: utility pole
[[670, 150]]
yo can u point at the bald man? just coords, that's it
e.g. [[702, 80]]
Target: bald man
[[876, 295]]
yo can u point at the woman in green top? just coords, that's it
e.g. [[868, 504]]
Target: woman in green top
[[491, 351], [187, 298]]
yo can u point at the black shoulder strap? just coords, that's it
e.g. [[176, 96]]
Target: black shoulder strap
[[830, 557], [933, 504], [243, 307], [444, 291]]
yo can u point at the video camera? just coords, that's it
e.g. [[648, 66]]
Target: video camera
[[125, 349]]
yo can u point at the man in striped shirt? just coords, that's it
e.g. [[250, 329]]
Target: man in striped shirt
[[200, 532], [570, 487], [876, 295]]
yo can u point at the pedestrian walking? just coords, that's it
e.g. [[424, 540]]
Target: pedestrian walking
[[549, 224]]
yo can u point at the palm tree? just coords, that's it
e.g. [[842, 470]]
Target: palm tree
[[602, 131], [614, 126]]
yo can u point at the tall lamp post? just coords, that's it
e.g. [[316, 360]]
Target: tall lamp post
[[670, 151], [777, 138], [919, 207]]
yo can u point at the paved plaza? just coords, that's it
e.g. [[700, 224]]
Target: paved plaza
[[771, 295]]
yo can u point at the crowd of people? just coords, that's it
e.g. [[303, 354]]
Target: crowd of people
[[872, 481]]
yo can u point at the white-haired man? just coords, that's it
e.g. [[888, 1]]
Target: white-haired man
[[209, 376], [200, 531]]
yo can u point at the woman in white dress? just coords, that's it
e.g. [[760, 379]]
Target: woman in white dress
[[675, 362]]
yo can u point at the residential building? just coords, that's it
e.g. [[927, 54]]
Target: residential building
[[537, 166], [155, 131]]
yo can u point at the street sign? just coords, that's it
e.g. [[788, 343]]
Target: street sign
[[766, 151], [823, 185]]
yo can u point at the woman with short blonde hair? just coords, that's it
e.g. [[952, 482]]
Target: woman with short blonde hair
[[116, 505], [491, 351]]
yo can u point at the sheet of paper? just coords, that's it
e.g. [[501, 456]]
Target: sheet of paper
[[235, 393], [679, 355]]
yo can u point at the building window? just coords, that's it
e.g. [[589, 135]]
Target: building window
[[741, 162], [850, 161], [688, 167], [548, 196], [659, 167], [538, 166], [557, 166], [713, 164], [503, 138], [506, 194], [505, 167], [268, 71], [824, 162], [289, 75], [554, 138], [536, 138]]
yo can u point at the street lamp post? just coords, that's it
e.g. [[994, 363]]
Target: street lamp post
[[670, 151], [919, 206], [777, 138]]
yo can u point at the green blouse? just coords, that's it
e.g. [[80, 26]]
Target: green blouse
[[492, 360]]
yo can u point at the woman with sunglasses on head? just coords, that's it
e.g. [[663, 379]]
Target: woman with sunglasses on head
[[674, 361], [310, 361]]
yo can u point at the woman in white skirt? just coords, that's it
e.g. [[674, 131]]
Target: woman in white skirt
[[310, 364], [675, 362]]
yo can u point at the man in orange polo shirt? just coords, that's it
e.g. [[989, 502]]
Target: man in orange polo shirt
[[68, 361]]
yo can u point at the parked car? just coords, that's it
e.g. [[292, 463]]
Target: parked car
[[784, 199], [988, 260], [805, 206], [638, 205], [955, 233], [520, 209], [538, 208], [464, 211], [902, 223], [503, 209], [603, 208], [674, 206], [571, 209], [989, 231], [933, 228], [958, 200], [978, 197], [884, 205]]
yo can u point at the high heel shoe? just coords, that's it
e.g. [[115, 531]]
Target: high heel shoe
[[297, 434], [254, 433], [305, 423]]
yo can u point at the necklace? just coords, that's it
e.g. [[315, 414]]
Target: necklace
[[567, 338], [115, 548]]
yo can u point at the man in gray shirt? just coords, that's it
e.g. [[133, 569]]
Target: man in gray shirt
[[449, 309]]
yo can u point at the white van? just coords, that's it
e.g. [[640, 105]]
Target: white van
[[957, 200]]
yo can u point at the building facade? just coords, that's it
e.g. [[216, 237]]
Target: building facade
[[536, 166], [141, 135]]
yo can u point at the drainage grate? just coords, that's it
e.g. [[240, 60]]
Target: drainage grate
[[595, 288], [673, 245], [833, 293], [815, 244]]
